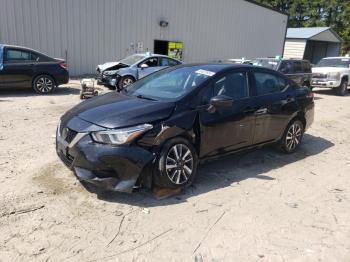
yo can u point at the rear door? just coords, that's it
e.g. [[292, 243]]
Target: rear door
[[227, 129], [18, 68], [274, 104], [152, 66]]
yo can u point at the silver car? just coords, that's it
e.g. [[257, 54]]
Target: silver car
[[125, 72]]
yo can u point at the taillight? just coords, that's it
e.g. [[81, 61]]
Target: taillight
[[310, 95], [63, 65]]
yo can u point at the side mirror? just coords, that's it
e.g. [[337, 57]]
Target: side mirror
[[220, 101], [143, 66]]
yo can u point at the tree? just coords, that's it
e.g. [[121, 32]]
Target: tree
[[305, 13]]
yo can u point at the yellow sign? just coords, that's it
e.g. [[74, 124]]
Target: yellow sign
[[175, 50]]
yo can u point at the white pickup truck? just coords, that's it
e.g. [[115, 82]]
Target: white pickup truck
[[332, 72]]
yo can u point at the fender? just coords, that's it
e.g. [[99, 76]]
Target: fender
[[182, 124]]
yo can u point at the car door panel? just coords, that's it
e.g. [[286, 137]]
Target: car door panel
[[17, 71], [227, 129], [273, 111], [153, 66]]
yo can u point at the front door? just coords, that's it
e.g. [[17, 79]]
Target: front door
[[227, 129], [17, 69], [148, 66]]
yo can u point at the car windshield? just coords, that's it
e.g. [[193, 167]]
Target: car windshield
[[269, 63], [170, 84], [130, 60], [334, 62]]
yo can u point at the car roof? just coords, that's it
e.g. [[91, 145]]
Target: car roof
[[20, 47]]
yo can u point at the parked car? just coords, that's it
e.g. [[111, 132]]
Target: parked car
[[158, 129], [24, 67], [297, 70], [332, 72], [127, 71]]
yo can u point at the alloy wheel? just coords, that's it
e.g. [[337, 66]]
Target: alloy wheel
[[293, 137], [44, 84], [179, 164], [127, 81]]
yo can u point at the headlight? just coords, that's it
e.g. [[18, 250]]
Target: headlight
[[110, 73], [335, 75], [120, 136]]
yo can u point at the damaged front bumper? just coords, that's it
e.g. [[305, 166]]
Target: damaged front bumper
[[116, 168]]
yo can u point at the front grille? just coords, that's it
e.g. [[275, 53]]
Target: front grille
[[70, 135], [319, 75]]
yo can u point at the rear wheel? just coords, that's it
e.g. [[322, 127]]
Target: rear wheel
[[176, 165], [292, 136], [343, 88], [43, 84]]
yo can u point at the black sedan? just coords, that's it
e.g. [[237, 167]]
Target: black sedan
[[24, 67], [159, 129]]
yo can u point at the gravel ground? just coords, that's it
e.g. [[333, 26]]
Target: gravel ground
[[256, 206]]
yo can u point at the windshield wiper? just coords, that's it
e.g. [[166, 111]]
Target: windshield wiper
[[145, 97]]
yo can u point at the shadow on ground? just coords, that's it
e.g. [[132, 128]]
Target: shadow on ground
[[27, 92], [225, 171]]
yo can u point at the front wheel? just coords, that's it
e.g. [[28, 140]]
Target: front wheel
[[177, 164], [292, 136], [343, 88], [125, 82], [43, 84]]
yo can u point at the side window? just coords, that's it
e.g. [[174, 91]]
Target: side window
[[151, 62], [297, 67], [286, 67], [17, 55], [233, 84], [269, 83], [306, 67], [35, 57], [164, 61], [173, 62]]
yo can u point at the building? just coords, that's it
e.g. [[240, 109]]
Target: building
[[312, 43], [90, 32]]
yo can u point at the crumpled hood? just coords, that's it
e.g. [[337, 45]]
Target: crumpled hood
[[115, 110], [107, 65], [325, 70]]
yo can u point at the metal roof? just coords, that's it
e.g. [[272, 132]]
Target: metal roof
[[309, 33]]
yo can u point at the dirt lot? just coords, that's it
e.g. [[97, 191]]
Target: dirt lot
[[257, 206]]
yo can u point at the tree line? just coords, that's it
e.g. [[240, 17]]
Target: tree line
[[317, 13]]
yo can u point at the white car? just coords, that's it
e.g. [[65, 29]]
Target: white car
[[332, 72]]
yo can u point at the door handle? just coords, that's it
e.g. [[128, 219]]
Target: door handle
[[261, 111]]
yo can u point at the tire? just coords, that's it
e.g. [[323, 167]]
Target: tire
[[343, 88], [292, 136], [44, 84], [124, 82], [172, 170]]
